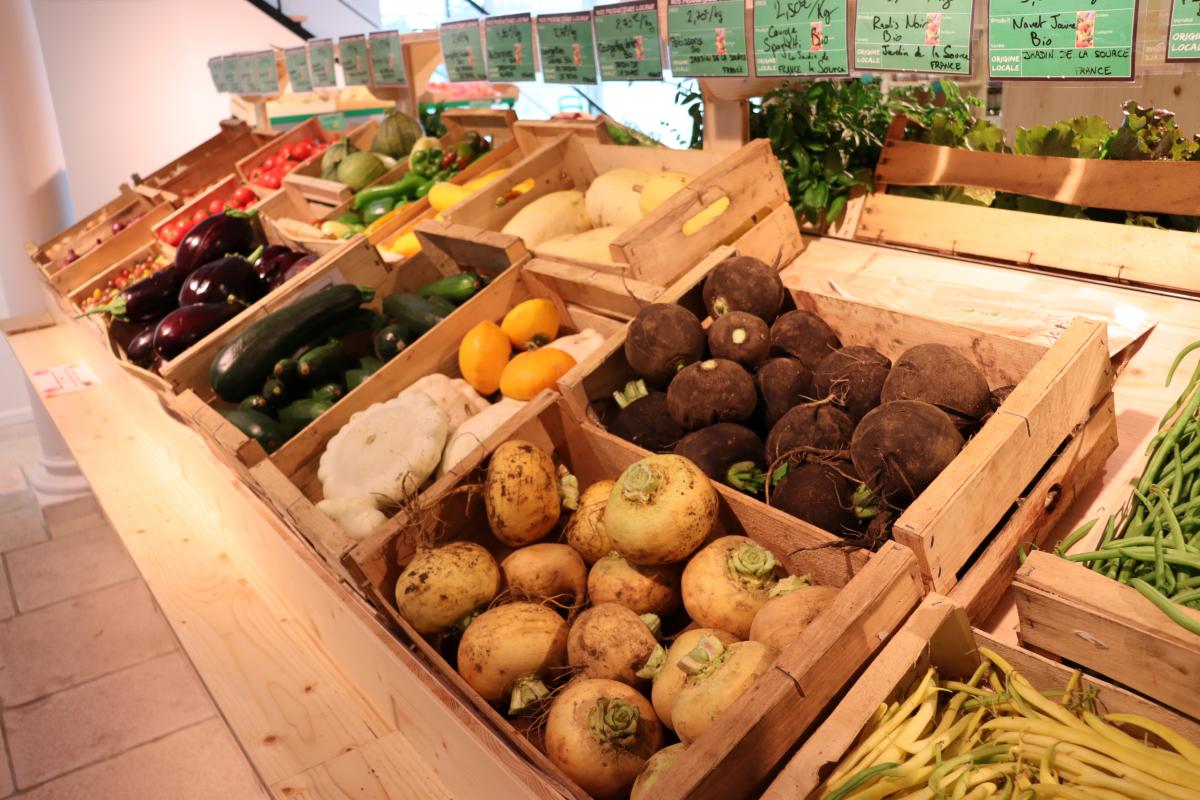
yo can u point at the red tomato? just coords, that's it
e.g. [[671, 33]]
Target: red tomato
[[199, 215], [268, 164], [174, 234], [271, 180], [244, 196], [216, 206], [302, 150], [284, 153], [256, 175], [287, 167]]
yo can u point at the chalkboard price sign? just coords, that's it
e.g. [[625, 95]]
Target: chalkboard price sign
[[1183, 41], [296, 61], [800, 37], [914, 36], [627, 41], [387, 61], [462, 51], [320, 60], [1061, 39], [707, 38], [509, 47], [353, 52], [567, 47]]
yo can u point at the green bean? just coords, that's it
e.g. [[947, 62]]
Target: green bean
[[1177, 481], [1166, 606], [1148, 555], [1173, 434], [1110, 527], [1168, 514], [1190, 582], [1186, 596], [1075, 535]]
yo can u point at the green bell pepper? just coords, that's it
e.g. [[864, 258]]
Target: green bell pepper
[[405, 187], [377, 208], [425, 162], [350, 218]]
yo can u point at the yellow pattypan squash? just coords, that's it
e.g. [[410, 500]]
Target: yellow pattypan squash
[[483, 355], [528, 373], [531, 324]]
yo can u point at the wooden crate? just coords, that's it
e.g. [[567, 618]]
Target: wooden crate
[[1108, 628], [206, 163], [1012, 480], [288, 477], [1122, 253], [654, 250], [128, 204], [877, 592], [938, 634], [327, 199], [114, 247]]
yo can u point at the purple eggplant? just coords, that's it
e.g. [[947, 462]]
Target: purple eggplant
[[140, 349], [294, 269], [149, 299], [231, 233], [226, 280], [274, 257], [185, 326]]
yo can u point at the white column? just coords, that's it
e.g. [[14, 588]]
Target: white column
[[34, 203]]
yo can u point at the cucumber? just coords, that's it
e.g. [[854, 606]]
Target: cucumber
[[255, 402], [455, 288], [294, 416], [257, 425], [389, 342], [320, 362], [241, 365], [274, 392], [441, 304], [330, 392], [417, 314]]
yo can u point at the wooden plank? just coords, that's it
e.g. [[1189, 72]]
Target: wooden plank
[[589, 288], [486, 252], [998, 463], [1034, 519], [533, 134], [1085, 617], [1124, 253], [1165, 187], [740, 750]]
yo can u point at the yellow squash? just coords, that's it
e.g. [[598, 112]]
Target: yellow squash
[[531, 324], [483, 355], [443, 194], [406, 244], [529, 373]]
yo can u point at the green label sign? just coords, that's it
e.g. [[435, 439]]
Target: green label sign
[[800, 37], [387, 62], [229, 66], [707, 38], [296, 61], [914, 36], [567, 47], [267, 69], [333, 122], [509, 47], [1183, 41], [320, 61], [217, 73], [462, 51], [627, 41], [1076, 39], [353, 52], [247, 73]]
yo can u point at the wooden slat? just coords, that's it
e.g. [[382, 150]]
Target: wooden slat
[[1034, 519], [1085, 617], [533, 134], [947, 522], [1166, 187], [1124, 253], [126, 203], [743, 746], [486, 252]]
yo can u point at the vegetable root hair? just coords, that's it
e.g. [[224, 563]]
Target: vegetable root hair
[[426, 526]]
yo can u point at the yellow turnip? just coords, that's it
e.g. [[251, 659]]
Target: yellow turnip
[[508, 652], [660, 510], [670, 678], [726, 583], [717, 677], [443, 585], [601, 733], [644, 590], [655, 768], [546, 571], [521, 493], [793, 605], [585, 529], [610, 641]]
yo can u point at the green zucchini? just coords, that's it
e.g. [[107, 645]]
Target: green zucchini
[[389, 342], [329, 392], [418, 315], [287, 370], [297, 414], [255, 402], [240, 367], [444, 306], [257, 425], [320, 362], [274, 392], [455, 288], [370, 364]]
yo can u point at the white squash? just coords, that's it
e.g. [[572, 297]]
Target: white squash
[[579, 345], [613, 198], [472, 432], [550, 216], [587, 246], [356, 516], [660, 187], [455, 396], [388, 449]]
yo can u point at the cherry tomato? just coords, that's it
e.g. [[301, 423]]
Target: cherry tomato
[[302, 150], [216, 206], [287, 167], [284, 153], [256, 175], [174, 234], [199, 215], [271, 180], [268, 164], [244, 196]]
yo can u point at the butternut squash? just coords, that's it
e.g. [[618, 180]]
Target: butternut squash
[[531, 324], [482, 356], [530, 372]]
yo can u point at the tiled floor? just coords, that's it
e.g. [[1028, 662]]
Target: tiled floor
[[97, 699]]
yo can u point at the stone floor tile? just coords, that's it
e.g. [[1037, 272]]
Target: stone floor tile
[[63, 568], [20, 527], [6, 606]]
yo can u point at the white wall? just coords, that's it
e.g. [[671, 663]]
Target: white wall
[[130, 81]]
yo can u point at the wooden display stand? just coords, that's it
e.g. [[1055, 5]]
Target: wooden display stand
[[1123, 253]]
